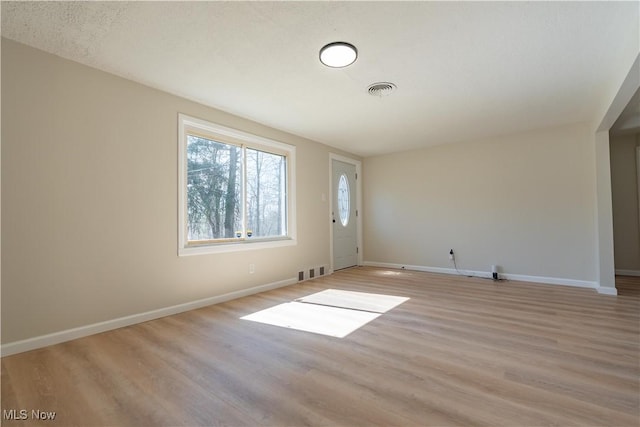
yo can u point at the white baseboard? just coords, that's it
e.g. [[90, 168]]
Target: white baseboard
[[607, 290], [485, 274], [635, 273], [83, 331], [424, 268], [551, 280]]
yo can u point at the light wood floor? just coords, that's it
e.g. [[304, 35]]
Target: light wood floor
[[461, 351], [628, 286]]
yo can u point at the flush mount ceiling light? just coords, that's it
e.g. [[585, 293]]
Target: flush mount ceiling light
[[338, 54]]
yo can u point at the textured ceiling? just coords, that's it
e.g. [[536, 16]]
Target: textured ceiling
[[464, 70]]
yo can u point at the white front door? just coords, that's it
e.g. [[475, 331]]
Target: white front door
[[345, 230]]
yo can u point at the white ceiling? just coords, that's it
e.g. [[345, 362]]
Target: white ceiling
[[464, 70]]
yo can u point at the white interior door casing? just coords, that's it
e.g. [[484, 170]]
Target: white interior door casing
[[344, 214]]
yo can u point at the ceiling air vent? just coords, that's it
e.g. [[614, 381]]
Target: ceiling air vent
[[381, 89]]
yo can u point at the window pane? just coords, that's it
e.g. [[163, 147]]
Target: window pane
[[214, 189], [266, 195], [343, 200]]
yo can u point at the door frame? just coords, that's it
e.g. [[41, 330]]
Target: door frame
[[638, 181], [358, 165]]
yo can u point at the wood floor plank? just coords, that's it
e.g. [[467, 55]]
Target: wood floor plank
[[460, 352]]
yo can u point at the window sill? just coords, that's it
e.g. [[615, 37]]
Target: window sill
[[236, 246]]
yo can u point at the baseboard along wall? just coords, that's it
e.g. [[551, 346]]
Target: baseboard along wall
[[96, 328], [508, 276], [635, 273]]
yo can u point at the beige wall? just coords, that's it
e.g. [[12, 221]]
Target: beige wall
[[524, 202], [89, 199], [624, 194]]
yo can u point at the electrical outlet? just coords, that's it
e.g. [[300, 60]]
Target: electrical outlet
[[451, 254], [252, 268]]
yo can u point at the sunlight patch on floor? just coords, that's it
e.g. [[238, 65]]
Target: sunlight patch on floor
[[332, 312], [354, 300]]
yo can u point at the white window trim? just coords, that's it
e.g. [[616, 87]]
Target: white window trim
[[223, 133]]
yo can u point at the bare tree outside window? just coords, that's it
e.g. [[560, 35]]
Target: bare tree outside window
[[266, 197], [214, 189], [216, 208]]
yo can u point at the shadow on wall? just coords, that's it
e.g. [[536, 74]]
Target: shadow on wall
[[625, 196]]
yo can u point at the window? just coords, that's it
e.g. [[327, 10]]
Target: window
[[236, 190], [343, 200]]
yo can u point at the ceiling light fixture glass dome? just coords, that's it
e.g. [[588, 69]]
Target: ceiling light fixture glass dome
[[338, 54]]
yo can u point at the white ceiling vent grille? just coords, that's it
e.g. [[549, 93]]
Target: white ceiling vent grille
[[381, 89]]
